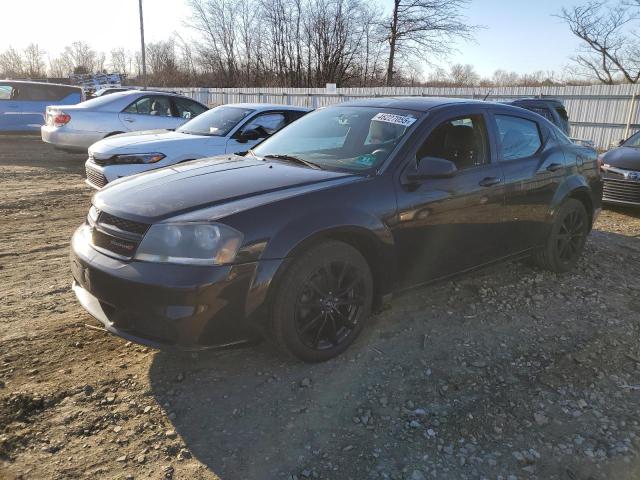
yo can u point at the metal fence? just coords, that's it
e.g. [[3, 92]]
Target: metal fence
[[603, 114]]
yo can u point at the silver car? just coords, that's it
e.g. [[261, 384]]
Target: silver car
[[76, 127]]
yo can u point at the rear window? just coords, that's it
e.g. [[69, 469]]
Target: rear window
[[43, 93], [543, 112]]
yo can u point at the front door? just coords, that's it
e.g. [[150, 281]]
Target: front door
[[447, 225]]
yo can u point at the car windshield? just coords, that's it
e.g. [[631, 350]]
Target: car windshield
[[341, 138], [218, 121], [634, 141]]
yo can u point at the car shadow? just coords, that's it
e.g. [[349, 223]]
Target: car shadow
[[30, 151], [251, 413], [628, 211]]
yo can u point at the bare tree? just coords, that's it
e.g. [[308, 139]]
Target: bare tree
[[58, 67], [11, 64], [463, 75], [119, 60], [418, 28], [609, 52], [34, 65], [79, 57]]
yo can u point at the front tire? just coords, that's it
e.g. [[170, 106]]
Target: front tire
[[322, 302], [566, 239]]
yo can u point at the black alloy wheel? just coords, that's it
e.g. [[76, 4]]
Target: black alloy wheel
[[322, 302], [328, 305], [567, 238]]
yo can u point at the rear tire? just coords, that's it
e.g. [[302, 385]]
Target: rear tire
[[566, 239], [322, 302]]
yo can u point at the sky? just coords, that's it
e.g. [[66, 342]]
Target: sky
[[519, 35]]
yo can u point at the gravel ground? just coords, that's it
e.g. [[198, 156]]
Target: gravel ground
[[508, 373]]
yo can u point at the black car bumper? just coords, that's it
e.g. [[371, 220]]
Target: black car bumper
[[164, 305]]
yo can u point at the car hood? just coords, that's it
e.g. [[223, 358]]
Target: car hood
[[168, 192], [627, 158], [150, 141]]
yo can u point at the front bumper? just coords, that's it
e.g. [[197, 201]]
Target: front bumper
[[164, 305], [68, 139]]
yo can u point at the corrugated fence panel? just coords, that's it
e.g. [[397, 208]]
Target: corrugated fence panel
[[600, 113]]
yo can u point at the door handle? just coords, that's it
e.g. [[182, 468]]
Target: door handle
[[554, 167], [130, 120], [489, 181]]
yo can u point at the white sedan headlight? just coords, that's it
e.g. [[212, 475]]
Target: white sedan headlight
[[135, 158], [190, 243]]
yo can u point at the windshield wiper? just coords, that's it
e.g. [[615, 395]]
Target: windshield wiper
[[291, 158]]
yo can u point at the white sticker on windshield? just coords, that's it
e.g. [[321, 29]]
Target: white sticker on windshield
[[395, 119]]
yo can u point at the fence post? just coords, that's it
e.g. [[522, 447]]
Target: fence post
[[629, 116]]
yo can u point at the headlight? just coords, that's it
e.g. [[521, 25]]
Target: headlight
[[190, 243], [136, 158], [93, 215]]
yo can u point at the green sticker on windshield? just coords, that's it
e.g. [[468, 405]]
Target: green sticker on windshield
[[367, 160]]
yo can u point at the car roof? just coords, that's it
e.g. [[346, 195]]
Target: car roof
[[266, 106], [29, 82], [535, 101], [418, 104]]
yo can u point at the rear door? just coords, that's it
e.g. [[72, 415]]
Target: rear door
[[10, 108], [150, 112], [533, 163]]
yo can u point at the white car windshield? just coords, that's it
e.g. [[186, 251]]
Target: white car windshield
[[216, 122], [341, 138]]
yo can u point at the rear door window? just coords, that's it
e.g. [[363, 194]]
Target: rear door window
[[153, 105], [266, 124], [519, 137], [188, 109], [295, 115]]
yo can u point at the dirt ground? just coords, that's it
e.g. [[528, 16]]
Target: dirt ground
[[508, 373]]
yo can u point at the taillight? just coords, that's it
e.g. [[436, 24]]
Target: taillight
[[60, 119]]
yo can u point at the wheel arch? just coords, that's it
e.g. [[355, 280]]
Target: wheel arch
[[370, 247], [378, 254], [111, 134], [577, 188]]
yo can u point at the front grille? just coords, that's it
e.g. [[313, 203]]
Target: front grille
[[120, 246], [621, 191], [95, 177], [122, 224]]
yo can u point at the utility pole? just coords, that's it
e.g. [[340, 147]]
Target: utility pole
[[144, 61]]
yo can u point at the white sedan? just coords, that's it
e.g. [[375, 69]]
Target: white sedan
[[76, 127], [225, 129]]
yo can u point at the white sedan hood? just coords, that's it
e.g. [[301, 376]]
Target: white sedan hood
[[162, 141]]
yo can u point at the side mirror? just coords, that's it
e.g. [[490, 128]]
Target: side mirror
[[248, 135], [432, 167]]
